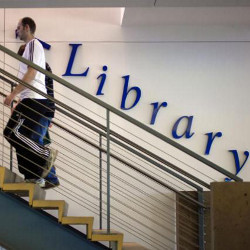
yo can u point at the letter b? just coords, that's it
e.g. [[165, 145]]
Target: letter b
[[126, 92]]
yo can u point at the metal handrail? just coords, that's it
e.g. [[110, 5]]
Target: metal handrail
[[117, 112], [134, 145], [129, 164]]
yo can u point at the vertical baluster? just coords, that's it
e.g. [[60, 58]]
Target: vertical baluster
[[201, 220], [108, 170], [11, 148], [100, 184]]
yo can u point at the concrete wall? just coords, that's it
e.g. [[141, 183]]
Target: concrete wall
[[230, 214]]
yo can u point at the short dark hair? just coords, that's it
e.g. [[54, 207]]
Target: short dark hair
[[29, 21]]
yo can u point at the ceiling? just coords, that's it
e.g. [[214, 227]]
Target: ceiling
[[155, 12], [119, 3]]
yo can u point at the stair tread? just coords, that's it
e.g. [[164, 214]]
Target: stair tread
[[49, 203], [105, 232], [77, 220], [133, 246], [59, 205], [18, 186], [112, 236], [23, 189], [7, 176], [80, 220]]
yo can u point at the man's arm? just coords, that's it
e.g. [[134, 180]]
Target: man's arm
[[28, 77]]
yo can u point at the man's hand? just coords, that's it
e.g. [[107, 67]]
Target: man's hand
[[28, 77], [14, 106], [8, 100]]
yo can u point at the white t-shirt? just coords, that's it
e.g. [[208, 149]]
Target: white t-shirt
[[33, 52]]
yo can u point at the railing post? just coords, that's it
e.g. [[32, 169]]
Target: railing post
[[11, 159], [108, 170], [11, 148], [100, 184], [201, 220]]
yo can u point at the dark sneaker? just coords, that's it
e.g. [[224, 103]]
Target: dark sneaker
[[50, 162], [51, 184]]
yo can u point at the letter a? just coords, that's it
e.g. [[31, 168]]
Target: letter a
[[188, 129]]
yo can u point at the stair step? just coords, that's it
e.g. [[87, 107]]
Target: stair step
[[104, 235], [133, 246], [6, 176], [12, 183], [23, 189], [61, 205], [74, 220]]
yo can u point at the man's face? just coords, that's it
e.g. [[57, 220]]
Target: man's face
[[21, 32]]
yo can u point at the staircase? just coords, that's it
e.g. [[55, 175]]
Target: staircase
[[11, 183], [129, 176]]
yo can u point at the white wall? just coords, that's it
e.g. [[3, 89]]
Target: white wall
[[208, 80]]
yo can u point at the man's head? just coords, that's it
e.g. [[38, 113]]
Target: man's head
[[26, 28]]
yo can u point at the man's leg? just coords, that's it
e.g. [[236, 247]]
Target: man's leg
[[41, 136], [52, 179], [40, 127], [38, 156], [9, 130], [39, 130]]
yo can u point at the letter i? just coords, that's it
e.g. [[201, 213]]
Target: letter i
[[103, 79]]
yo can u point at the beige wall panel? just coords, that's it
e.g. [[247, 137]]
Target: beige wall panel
[[59, 25], [2, 25]]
